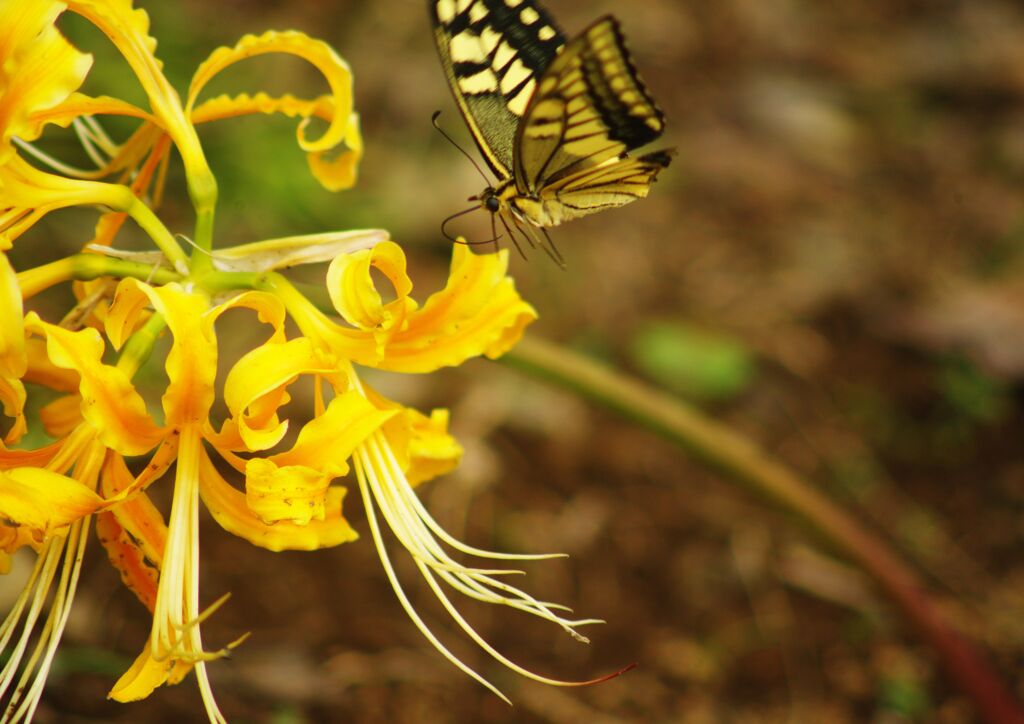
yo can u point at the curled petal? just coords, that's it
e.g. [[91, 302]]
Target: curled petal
[[39, 457], [421, 444], [128, 311], [335, 71], [41, 371], [12, 398], [327, 441], [256, 387], [13, 359], [12, 538], [29, 194], [62, 415], [478, 312], [77, 105], [229, 508], [38, 67], [43, 500], [128, 29], [293, 492], [355, 295], [110, 403], [334, 168]]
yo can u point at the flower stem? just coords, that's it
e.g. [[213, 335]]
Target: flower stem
[[89, 266], [744, 462], [163, 238]]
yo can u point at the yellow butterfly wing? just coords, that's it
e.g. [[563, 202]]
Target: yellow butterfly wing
[[589, 110]]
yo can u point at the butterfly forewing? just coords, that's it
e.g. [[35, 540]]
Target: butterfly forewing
[[590, 106], [493, 52]]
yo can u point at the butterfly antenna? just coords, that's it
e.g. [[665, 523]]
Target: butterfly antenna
[[444, 224], [433, 121], [455, 240]]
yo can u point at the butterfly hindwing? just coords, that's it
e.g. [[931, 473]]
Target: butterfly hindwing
[[616, 182], [590, 106], [493, 52]]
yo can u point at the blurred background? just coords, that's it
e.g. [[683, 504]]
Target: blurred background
[[831, 266]]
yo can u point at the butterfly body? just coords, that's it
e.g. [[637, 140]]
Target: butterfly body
[[555, 120]]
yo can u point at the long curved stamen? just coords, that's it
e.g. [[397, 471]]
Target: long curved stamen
[[51, 162], [472, 582], [361, 467], [70, 550], [99, 136], [85, 137], [384, 488]]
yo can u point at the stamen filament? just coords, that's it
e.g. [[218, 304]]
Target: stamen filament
[[87, 143], [55, 164], [362, 469]]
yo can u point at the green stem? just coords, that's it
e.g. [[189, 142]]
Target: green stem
[[201, 257], [84, 267], [140, 345], [159, 233], [744, 462]]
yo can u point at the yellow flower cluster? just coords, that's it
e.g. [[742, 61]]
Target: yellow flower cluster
[[109, 449]]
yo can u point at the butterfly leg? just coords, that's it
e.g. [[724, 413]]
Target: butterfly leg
[[559, 259], [529, 231], [512, 236]]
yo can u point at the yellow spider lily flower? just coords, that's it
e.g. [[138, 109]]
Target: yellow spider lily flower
[[110, 448]]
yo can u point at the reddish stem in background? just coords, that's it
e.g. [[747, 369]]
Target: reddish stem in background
[[740, 459]]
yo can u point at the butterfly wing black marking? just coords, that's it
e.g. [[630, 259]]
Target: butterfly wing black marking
[[493, 52]]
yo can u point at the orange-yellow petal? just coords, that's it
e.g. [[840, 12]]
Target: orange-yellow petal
[[335, 169], [43, 500], [326, 442], [110, 404], [62, 415], [38, 67], [192, 362], [78, 104], [354, 293], [255, 389], [335, 71], [41, 371], [422, 444], [14, 537], [136, 513], [147, 674], [294, 492], [139, 574], [127, 312], [13, 359], [229, 508], [338, 170], [479, 312]]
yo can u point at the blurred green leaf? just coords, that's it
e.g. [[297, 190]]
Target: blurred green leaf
[[89, 660], [970, 392], [692, 362], [905, 697]]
